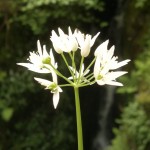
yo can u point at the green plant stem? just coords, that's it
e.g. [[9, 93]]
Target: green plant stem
[[90, 64], [59, 74], [64, 58], [78, 118], [81, 64], [92, 82], [72, 56], [65, 85]]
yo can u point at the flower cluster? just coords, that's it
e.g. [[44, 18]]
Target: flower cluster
[[104, 62]]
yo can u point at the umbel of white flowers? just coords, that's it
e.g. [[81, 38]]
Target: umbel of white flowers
[[104, 62]]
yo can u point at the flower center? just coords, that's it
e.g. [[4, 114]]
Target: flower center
[[53, 87], [99, 77], [46, 60]]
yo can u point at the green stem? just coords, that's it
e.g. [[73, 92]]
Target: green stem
[[64, 58], [72, 56], [90, 83], [59, 74], [78, 118], [89, 75], [64, 85], [81, 63], [90, 64]]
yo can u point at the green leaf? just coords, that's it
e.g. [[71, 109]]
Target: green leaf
[[7, 113]]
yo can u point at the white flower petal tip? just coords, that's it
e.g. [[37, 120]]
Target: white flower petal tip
[[43, 82], [34, 68], [102, 48], [93, 39], [56, 96], [55, 99]]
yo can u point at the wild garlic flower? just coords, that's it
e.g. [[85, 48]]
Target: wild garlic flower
[[40, 61], [64, 42], [85, 42], [105, 65], [53, 86]]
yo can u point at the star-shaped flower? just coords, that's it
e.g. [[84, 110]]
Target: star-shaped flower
[[105, 65], [53, 86], [40, 61]]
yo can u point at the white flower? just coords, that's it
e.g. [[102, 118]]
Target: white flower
[[82, 73], [53, 86], [85, 42], [40, 61], [64, 42], [106, 56], [105, 65]]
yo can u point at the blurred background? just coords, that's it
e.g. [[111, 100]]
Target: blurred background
[[113, 118]]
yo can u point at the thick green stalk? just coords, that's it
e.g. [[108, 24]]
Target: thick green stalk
[[78, 118]]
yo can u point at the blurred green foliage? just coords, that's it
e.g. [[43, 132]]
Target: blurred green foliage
[[140, 3], [134, 123], [133, 132]]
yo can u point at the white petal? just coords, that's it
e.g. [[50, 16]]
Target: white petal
[[93, 39], [105, 69], [61, 33], [52, 57], [72, 43], [111, 52], [34, 58], [59, 89], [102, 48], [28, 65], [80, 38], [96, 67], [55, 99], [54, 35], [120, 64], [56, 42], [114, 75], [82, 69], [34, 68], [54, 76], [85, 49], [44, 70], [45, 54], [69, 31], [114, 83], [43, 81], [70, 78], [100, 82], [39, 48]]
